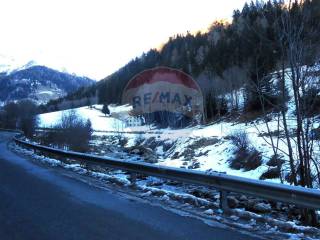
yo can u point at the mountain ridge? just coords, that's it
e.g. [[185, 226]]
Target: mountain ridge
[[38, 83]]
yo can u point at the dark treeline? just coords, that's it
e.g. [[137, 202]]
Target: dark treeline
[[20, 115], [230, 56]]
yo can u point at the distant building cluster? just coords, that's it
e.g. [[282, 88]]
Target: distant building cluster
[[134, 121]]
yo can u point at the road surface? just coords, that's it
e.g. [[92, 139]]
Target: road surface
[[41, 203]]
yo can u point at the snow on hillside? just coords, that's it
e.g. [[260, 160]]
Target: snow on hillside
[[216, 156], [98, 120], [209, 157], [205, 148]]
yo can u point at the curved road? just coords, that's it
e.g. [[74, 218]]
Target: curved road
[[41, 203]]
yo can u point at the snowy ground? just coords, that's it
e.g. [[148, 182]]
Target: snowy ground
[[212, 157], [98, 120], [205, 148]]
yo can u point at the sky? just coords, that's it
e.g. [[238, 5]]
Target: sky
[[94, 38]]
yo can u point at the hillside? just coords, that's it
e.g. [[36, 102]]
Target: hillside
[[205, 148], [211, 147], [240, 54], [259, 76]]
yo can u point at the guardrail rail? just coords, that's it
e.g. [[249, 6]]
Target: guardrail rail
[[303, 197]]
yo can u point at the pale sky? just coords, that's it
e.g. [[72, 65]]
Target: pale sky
[[97, 37]]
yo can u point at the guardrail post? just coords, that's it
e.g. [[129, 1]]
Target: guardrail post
[[224, 200]]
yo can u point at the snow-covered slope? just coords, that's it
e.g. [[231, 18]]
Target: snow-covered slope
[[212, 155], [205, 148], [99, 121]]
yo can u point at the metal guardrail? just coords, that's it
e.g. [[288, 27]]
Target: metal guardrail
[[11, 130], [103, 131], [303, 197]]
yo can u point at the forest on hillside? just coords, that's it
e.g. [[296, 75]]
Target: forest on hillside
[[241, 54]]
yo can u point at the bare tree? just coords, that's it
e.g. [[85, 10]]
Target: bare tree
[[295, 43], [295, 37], [71, 132]]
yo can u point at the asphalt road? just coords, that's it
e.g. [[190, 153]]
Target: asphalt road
[[41, 203]]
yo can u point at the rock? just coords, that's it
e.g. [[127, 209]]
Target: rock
[[148, 150], [216, 197], [220, 211], [165, 198], [243, 198], [135, 151], [253, 222], [146, 194], [234, 218], [159, 193], [175, 155], [250, 203], [232, 202], [147, 154], [278, 206], [262, 207], [151, 143], [188, 152], [205, 153], [167, 146], [209, 212], [194, 165], [286, 226], [200, 193], [204, 142], [150, 159]]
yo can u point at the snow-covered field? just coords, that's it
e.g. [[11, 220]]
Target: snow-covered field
[[210, 145], [212, 157], [98, 120]]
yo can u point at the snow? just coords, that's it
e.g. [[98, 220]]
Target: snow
[[122, 108], [46, 92], [209, 212], [99, 121], [262, 207], [217, 156]]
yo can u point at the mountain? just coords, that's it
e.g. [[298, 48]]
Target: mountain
[[35, 82]]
